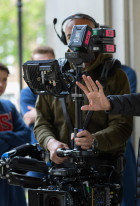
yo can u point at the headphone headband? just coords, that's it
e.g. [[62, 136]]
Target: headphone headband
[[81, 16], [75, 16]]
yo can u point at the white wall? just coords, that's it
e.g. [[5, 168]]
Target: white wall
[[136, 58], [118, 25], [61, 9]]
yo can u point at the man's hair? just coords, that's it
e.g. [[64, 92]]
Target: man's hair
[[4, 68], [43, 50], [105, 26]]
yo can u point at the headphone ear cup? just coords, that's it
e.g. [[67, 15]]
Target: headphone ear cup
[[63, 38], [97, 25]]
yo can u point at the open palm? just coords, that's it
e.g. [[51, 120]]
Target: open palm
[[95, 95]]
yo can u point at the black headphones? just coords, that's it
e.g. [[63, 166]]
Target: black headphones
[[75, 16]]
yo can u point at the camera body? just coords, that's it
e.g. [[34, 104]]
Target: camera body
[[103, 195], [82, 181]]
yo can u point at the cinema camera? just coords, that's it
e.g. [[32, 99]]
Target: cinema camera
[[88, 177]]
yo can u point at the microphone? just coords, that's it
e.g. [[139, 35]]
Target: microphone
[[54, 23]]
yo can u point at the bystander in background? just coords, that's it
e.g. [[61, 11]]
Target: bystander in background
[[27, 98], [13, 132]]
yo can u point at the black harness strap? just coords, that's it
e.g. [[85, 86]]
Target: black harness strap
[[108, 65], [68, 120], [88, 117], [67, 117]]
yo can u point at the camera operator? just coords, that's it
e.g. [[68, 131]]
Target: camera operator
[[110, 131], [127, 104]]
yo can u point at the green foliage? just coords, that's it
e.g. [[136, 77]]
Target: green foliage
[[8, 31], [33, 29]]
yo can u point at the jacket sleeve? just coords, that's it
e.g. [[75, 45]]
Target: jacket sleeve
[[131, 74], [18, 136], [119, 127], [27, 98], [125, 104], [4, 146], [43, 127], [133, 81]]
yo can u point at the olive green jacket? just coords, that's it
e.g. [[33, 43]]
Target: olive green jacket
[[111, 131]]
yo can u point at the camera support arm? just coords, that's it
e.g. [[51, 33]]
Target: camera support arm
[[78, 99], [14, 166]]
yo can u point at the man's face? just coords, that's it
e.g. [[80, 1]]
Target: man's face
[[71, 23], [3, 81], [46, 56]]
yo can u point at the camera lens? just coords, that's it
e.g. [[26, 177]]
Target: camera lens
[[54, 201]]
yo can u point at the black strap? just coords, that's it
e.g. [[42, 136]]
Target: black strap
[[66, 115], [88, 117], [108, 67], [108, 64], [68, 120]]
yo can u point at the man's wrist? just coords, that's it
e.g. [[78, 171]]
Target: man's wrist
[[46, 142], [110, 105]]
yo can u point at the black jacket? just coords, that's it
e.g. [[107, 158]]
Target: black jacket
[[127, 104]]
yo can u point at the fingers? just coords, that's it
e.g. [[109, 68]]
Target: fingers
[[84, 139], [99, 86], [58, 160], [90, 83], [65, 146], [85, 90], [72, 136], [83, 133], [83, 142], [86, 108], [30, 107]]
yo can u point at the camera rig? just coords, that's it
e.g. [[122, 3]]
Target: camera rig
[[81, 181], [88, 177]]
